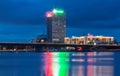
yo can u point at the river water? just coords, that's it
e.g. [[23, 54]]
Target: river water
[[59, 64]]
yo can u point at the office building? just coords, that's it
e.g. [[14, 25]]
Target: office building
[[56, 26]]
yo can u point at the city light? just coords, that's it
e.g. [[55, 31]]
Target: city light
[[54, 10], [58, 11], [49, 14]]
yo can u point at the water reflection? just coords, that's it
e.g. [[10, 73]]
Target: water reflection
[[79, 64], [48, 64], [56, 64], [59, 64]]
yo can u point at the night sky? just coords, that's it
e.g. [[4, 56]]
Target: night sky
[[23, 20]]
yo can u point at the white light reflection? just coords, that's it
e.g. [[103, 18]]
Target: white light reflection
[[78, 60], [93, 70], [78, 71], [60, 64], [78, 54], [81, 64], [93, 64], [104, 53]]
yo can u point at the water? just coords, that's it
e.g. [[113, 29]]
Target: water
[[59, 64]]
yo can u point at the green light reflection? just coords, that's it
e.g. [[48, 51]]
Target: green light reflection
[[62, 63]]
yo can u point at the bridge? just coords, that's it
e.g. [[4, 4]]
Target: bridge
[[55, 47]]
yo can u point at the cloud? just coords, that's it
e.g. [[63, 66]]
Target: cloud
[[21, 11], [94, 13], [80, 13]]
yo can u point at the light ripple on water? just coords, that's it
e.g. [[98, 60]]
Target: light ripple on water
[[56, 63]]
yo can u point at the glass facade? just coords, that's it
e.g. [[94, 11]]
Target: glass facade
[[56, 26]]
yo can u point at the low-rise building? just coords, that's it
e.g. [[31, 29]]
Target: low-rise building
[[90, 39], [40, 39]]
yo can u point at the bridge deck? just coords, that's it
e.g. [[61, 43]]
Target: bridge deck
[[41, 47]]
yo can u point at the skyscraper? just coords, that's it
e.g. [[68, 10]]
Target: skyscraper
[[56, 26]]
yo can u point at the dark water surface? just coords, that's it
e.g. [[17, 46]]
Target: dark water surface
[[60, 64]]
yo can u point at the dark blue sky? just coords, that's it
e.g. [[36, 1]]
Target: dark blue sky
[[23, 20]]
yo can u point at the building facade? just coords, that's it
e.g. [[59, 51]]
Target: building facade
[[56, 26], [89, 40]]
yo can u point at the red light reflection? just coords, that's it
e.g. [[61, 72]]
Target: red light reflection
[[48, 64]]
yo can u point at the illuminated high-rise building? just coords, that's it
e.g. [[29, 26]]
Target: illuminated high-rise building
[[56, 26]]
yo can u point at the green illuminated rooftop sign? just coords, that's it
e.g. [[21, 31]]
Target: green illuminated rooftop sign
[[58, 11]]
